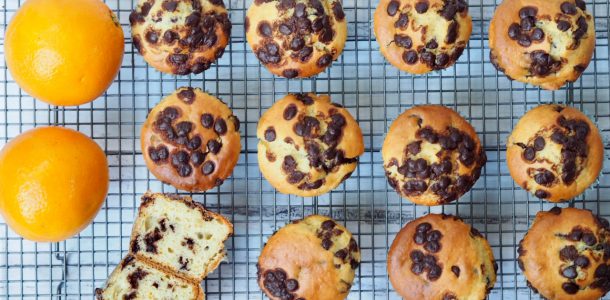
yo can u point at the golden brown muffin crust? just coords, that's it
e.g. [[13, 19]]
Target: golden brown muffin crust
[[555, 152], [314, 259], [307, 144], [542, 42], [565, 255], [431, 155], [296, 38], [191, 140], [180, 36], [441, 257], [418, 36]]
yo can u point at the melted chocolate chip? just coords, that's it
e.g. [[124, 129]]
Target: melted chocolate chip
[[208, 167], [338, 11], [392, 7]]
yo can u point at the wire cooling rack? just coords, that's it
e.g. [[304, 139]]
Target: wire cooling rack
[[373, 91]]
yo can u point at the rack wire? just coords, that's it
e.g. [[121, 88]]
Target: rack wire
[[372, 90]]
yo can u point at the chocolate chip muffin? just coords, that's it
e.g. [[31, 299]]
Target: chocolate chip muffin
[[296, 38], [191, 140], [431, 155], [418, 36], [555, 152], [566, 254], [441, 257], [307, 145], [546, 43], [313, 258], [180, 36]]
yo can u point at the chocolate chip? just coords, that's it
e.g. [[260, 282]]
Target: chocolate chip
[[432, 44], [414, 147], [197, 158], [289, 164], [434, 273], [264, 29], [214, 146], [194, 143], [392, 7], [208, 167], [568, 253], [326, 244], [410, 57], [417, 268], [570, 287], [568, 8], [220, 126], [270, 134], [169, 5], [286, 4], [415, 186], [324, 60], [527, 23], [416, 256], [179, 158], [419, 238], [328, 225], [449, 10], [338, 11], [441, 60], [403, 41], [558, 137], [427, 58], [569, 272], [539, 143], [563, 25], [152, 37], [341, 254], [589, 239], [528, 11], [433, 235], [537, 34], [575, 235], [178, 59], [292, 285], [529, 154], [290, 112], [455, 270], [184, 128], [187, 95], [582, 261], [601, 271], [513, 31], [290, 73], [402, 22], [423, 227], [452, 32], [541, 194], [184, 170], [433, 246], [581, 4], [170, 36], [421, 7], [544, 177]]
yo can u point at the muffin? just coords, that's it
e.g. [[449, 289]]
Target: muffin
[[441, 257], [313, 258], [431, 155], [555, 152], [566, 255], [178, 36], [546, 43], [419, 36], [307, 145], [191, 140], [296, 38]]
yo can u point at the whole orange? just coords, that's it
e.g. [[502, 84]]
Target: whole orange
[[64, 52], [53, 181]]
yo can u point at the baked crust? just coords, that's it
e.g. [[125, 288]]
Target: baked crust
[[432, 155], [307, 145], [180, 36], [549, 47], [296, 38], [419, 36], [441, 257], [569, 160], [179, 149], [314, 258], [565, 255]]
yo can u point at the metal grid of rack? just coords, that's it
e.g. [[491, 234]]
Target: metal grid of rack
[[373, 91]]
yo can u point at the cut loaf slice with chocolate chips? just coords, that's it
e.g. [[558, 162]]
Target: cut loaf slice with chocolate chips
[[133, 279], [179, 235]]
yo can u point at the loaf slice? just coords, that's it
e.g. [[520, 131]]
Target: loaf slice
[[133, 279], [179, 235]]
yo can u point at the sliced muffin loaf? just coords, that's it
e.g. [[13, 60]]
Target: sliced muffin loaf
[[179, 235], [133, 279]]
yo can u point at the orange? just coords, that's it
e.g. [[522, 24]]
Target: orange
[[64, 52], [53, 181]]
